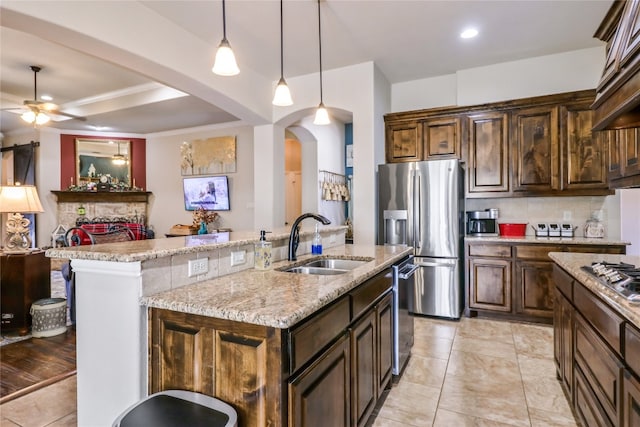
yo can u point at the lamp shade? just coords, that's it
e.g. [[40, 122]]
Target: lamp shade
[[19, 198]]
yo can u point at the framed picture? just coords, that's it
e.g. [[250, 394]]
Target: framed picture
[[349, 156]]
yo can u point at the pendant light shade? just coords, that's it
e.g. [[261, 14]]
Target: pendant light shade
[[282, 96], [225, 62], [322, 116]]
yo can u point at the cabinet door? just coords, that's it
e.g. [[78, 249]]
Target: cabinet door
[[631, 42], [612, 140], [403, 142], [583, 155], [630, 146], [321, 395], [490, 284], [535, 149], [534, 284], [384, 313], [364, 391], [488, 156], [441, 138], [563, 340], [631, 403]]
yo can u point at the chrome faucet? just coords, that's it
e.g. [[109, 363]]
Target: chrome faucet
[[294, 237]]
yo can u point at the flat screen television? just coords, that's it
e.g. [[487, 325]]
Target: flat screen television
[[209, 192]]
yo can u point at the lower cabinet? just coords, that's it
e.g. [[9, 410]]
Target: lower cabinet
[[320, 395], [595, 357], [515, 280], [364, 357]]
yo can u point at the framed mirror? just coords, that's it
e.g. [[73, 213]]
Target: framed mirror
[[103, 161]]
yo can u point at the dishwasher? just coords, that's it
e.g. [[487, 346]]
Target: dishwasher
[[403, 285]]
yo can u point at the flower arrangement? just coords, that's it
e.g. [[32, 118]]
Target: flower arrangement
[[200, 216]]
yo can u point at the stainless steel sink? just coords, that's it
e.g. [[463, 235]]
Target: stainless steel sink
[[339, 264], [315, 270]]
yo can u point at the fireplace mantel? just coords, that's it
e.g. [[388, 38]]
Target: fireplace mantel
[[102, 196]]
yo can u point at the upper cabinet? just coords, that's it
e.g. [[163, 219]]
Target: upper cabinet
[[441, 138], [542, 146]]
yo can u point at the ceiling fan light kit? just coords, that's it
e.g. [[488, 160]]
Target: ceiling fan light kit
[[225, 62]]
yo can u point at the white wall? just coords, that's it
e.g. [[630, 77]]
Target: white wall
[[629, 219], [165, 180]]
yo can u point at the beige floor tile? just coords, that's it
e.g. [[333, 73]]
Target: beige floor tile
[[384, 422], [546, 419], [486, 346], [446, 418], [427, 371], [546, 394], [430, 346], [428, 327], [537, 367], [491, 330], [533, 340], [5, 422], [36, 409], [497, 401], [410, 403], [481, 367]]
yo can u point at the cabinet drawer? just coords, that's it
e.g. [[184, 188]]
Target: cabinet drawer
[[502, 251], [563, 282], [537, 251], [632, 348], [601, 368], [309, 338], [605, 321], [366, 294]]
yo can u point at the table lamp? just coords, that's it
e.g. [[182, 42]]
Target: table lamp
[[16, 200]]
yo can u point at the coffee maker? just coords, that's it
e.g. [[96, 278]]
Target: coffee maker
[[482, 223]]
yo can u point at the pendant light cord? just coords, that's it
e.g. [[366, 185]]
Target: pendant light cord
[[281, 43], [224, 22], [320, 50]]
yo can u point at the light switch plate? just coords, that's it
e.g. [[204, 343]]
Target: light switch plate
[[237, 258], [198, 266]]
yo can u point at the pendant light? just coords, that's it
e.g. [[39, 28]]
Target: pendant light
[[225, 62], [282, 97], [322, 117], [118, 159]]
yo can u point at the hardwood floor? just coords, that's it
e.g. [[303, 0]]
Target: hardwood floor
[[35, 363]]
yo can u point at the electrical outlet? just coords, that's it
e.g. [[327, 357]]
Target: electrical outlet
[[198, 266], [566, 215], [237, 258]]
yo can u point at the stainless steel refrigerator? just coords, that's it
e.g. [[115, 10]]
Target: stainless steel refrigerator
[[421, 204]]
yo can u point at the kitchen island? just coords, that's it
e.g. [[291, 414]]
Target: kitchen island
[[121, 286], [596, 342]]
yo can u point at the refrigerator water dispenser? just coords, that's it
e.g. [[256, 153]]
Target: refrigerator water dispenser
[[395, 227]]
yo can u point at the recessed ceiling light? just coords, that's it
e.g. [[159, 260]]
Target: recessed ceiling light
[[46, 98], [469, 33]]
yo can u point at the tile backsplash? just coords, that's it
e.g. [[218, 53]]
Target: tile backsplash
[[561, 210]]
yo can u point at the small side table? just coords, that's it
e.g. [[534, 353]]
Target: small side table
[[24, 278]]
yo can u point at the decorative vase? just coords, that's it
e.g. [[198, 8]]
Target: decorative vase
[[203, 228]]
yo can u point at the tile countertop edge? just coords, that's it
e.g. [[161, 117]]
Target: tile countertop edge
[[571, 263], [547, 240], [142, 250], [274, 298]]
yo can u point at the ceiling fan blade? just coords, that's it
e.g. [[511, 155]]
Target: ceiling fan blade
[[71, 116]]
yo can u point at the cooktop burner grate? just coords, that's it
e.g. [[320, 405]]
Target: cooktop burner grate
[[622, 277]]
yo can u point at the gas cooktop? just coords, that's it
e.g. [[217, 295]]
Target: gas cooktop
[[621, 277]]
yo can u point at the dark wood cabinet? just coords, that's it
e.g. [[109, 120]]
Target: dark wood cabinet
[[490, 284], [364, 354], [630, 400], [535, 162], [384, 319], [488, 168], [403, 142], [321, 394], [535, 288], [442, 138], [24, 279], [563, 341]]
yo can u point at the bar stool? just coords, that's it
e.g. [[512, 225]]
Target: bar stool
[[173, 408]]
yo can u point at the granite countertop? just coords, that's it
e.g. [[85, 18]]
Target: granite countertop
[[571, 262], [141, 250], [547, 240], [276, 298]]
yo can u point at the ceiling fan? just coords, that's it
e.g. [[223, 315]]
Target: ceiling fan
[[40, 112]]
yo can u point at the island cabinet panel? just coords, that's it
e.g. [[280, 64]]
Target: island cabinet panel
[[563, 341], [321, 394], [384, 318], [488, 168], [631, 401], [237, 363], [583, 155], [364, 357], [630, 153], [535, 149], [442, 138], [403, 142]]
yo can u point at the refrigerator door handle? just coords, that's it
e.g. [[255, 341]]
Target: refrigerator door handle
[[417, 204], [436, 264], [408, 271]]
